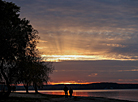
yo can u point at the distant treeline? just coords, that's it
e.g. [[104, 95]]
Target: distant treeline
[[86, 86]]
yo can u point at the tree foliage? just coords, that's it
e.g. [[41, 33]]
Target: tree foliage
[[17, 36]]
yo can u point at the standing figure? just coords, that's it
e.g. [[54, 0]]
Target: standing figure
[[70, 92], [66, 91]]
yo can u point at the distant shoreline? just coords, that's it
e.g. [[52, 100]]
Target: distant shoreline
[[84, 86]]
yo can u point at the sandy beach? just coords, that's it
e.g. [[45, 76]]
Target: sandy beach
[[32, 97]]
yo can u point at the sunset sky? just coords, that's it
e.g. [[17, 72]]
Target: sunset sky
[[88, 40]]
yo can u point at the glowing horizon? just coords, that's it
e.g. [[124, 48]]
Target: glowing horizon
[[75, 82], [70, 82], [59, 58]]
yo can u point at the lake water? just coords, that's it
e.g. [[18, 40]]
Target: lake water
[[125, 94]]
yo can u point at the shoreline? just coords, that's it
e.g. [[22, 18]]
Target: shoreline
[[39, 97]]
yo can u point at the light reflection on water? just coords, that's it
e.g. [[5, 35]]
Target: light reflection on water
[[126, 94]]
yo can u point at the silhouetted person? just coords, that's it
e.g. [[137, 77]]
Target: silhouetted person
[[66, 91], [70, 92]]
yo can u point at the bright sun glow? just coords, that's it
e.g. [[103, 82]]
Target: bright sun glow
[[58, 58]]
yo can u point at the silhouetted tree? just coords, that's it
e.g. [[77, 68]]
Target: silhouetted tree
[[24, 71], [17, 40], [40, 73], [34, 72]]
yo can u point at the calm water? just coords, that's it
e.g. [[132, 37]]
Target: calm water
[[126, 94]]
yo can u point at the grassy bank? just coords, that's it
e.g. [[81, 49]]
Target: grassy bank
[[32, 97]]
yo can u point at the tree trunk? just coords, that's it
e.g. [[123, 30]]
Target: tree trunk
[[6, 79], [8, 92], [35, 87], [26, 88]]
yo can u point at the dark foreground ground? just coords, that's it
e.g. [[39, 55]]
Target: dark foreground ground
[[32, 97]]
